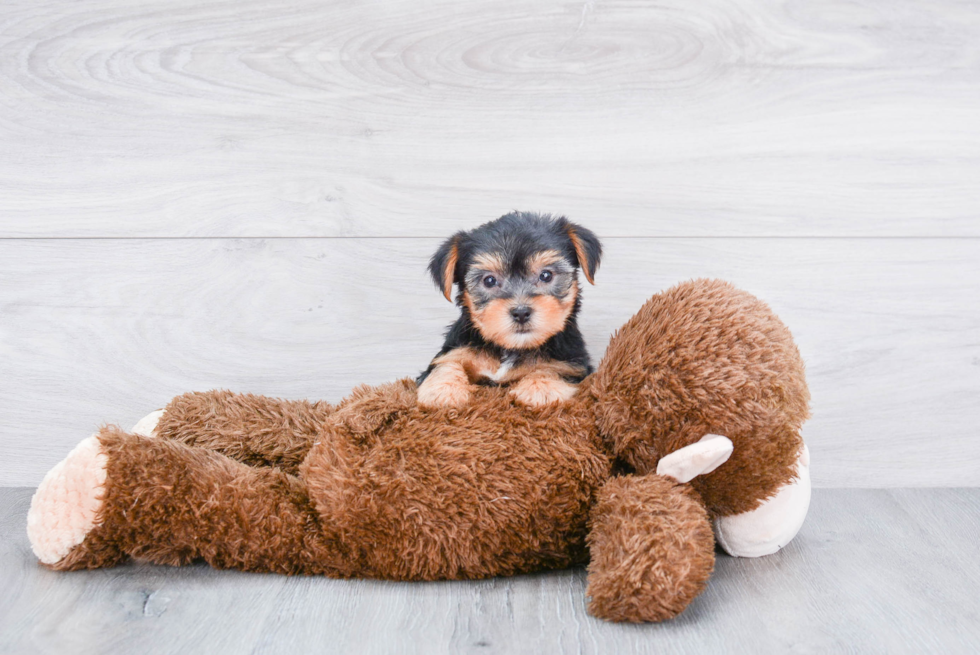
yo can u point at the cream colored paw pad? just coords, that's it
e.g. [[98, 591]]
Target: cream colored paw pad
[[147, 426], [65, 506], [773, 524]]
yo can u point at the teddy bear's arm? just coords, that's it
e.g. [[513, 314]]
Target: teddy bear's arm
[[651, 549], [255, 430], [119, 495]]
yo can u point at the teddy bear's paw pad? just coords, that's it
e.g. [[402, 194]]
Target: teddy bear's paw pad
[[147, 426], [66, 505], [538, 392], [773, 524]]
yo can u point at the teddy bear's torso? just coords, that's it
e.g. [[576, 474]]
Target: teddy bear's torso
[[490, 489]]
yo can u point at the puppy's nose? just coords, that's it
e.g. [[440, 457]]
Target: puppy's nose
[[521, 314]]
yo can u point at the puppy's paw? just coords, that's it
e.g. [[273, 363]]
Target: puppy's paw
[[538, 391], [446, 386], [66, 505]]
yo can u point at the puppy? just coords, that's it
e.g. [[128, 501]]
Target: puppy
[[518, 299]]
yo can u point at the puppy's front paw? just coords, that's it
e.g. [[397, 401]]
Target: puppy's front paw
[[537, 392], [66, 505], [445, 387]]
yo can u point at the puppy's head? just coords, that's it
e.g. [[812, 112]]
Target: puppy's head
[[518, 275]]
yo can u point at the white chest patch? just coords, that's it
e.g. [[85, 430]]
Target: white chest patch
[[506, 364]]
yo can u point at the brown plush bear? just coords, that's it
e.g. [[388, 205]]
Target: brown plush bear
[[625, 476]]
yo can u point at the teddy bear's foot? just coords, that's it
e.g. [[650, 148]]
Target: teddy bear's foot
[[773, 524], [65, 507], [146, 426]]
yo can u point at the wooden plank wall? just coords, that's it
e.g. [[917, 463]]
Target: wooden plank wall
[[244, 195]]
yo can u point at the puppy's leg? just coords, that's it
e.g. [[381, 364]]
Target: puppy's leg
[[451, 382], [541, 388], [448, 385]]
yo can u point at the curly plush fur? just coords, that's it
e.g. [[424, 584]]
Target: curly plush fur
[[706, 358], [651, 546], [381, 487]]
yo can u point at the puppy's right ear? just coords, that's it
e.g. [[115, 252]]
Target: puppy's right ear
[[442, 266]]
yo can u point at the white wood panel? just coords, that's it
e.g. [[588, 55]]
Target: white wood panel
[[401, 117], [872, 571], [106, 330]]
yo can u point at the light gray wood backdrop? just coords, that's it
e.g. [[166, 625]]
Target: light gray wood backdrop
[[244, 195]]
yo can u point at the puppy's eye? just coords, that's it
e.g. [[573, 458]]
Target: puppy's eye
[[489, 281], [545, 276]]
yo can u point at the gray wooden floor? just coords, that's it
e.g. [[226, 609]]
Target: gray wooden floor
[[873, 571]]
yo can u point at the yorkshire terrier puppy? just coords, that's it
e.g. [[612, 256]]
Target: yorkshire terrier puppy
[[518, 299]]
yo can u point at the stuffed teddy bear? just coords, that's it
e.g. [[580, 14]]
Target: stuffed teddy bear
[[693, 416]]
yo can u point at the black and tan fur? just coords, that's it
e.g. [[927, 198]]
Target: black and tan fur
[[519, 300]]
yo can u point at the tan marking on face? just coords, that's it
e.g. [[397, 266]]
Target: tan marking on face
[[489, 261], [542, 259], [551, 313], [547, 319], [539, 390], [494, 322]]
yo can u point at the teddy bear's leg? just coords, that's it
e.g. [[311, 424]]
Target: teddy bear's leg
[[158, 500], [255, 430], [773, 524], [65, 508], [651, 549]]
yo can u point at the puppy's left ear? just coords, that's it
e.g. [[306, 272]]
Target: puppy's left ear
[[587, 249], [442, 266]]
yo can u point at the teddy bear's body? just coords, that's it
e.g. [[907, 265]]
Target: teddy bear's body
[[381, 487], [406, 493]]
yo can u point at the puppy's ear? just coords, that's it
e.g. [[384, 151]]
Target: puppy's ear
[[586, 246], [442, 266]]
